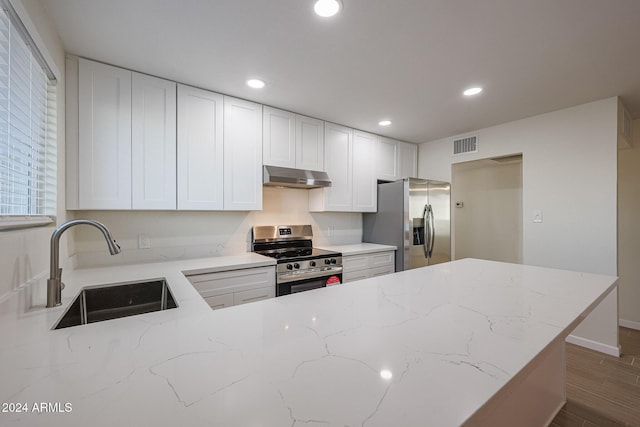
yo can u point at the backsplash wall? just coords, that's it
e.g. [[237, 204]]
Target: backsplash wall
[[194, 234]]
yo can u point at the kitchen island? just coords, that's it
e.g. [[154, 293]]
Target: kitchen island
[[464, 343]]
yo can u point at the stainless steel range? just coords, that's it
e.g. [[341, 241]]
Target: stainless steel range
[[300, 266]]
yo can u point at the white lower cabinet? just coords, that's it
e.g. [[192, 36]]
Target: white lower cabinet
[[219, 301], [234, 287], [363, 266], [252, 295]]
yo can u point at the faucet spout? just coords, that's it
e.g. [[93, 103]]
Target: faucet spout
[[54, 283]]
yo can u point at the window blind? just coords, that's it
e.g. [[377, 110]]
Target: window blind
[[27, 129]]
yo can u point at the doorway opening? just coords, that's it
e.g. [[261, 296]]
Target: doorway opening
[[487, 209]]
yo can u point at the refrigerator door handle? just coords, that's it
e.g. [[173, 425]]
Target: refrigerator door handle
[[432, 230], [425, 234]]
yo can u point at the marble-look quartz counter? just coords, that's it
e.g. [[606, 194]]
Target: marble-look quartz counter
[[359, 248], [422, 347]]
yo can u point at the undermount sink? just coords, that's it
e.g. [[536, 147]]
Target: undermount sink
[[115, 300]]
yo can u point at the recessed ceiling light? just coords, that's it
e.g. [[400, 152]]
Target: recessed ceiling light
[[384, 122], [255, 83], [386, 374], [327, 8], [472, 91]]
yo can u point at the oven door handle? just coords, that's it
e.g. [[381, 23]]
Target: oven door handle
[[292, 277]]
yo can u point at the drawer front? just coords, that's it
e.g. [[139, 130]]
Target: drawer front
[[254, 295], [382, 259], [224, 282], [381, 271], [352, 276], [355, 262], [220, 301]]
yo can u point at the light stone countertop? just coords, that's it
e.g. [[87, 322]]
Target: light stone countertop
[[359, 248], [450, 335]]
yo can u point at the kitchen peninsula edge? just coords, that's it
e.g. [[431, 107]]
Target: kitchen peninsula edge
[[446, 345]]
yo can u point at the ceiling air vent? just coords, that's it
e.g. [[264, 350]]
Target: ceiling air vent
[[468, 144]]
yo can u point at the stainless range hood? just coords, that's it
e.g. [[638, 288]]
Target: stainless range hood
[[275, 176]]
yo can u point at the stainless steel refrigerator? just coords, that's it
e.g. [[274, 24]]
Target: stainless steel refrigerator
[[414, 215]]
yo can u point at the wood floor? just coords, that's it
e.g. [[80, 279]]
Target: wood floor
[[603, 390]]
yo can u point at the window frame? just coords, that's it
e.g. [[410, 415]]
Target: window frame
[[20, 22]]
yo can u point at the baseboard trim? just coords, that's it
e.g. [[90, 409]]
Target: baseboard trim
[[556, 412], [629, 324], [595, 345]]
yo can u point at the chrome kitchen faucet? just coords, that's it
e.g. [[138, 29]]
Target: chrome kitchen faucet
[[54, 283]]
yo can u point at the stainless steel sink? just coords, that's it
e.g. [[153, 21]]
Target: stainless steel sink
[[115, 300]]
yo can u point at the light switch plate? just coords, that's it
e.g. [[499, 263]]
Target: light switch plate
[[537, 215]]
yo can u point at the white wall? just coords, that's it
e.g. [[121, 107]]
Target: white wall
[[629, 231], [570, 173], [194, 234], [489, 223], [24, 254]]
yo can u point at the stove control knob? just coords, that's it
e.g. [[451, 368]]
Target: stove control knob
[[296, 265], [312, 263], [333, 260], [326, 261], [289, 267]]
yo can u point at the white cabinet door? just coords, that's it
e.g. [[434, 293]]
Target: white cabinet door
[[259, 294], [219, 301], [358, 267], [291, 140], [153, 143], [226, 288], [200, 149], [338, 163], [387, 159], [104, 136], [365, 194], [309, 143], [407, 160], [279, 138], [242, 155]]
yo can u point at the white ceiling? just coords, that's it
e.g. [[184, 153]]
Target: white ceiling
[[407, 60]]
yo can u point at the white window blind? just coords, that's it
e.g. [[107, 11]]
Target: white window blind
[[27, 129]]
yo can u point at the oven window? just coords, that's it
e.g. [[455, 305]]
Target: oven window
[[303, 285], [307, 286]]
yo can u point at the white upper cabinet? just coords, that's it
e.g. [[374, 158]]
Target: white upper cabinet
[[338, 160], [279, 143], [365, 190], [292, 140], [350, 163], [386, 159], [121, 138], [104, 137], [395, 159], [309, 143], [242, 155], [200, 149], [407, 160], [153, 143]]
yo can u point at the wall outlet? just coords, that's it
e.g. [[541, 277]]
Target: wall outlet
[[330, 230], [144, 242], [537, 216]]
